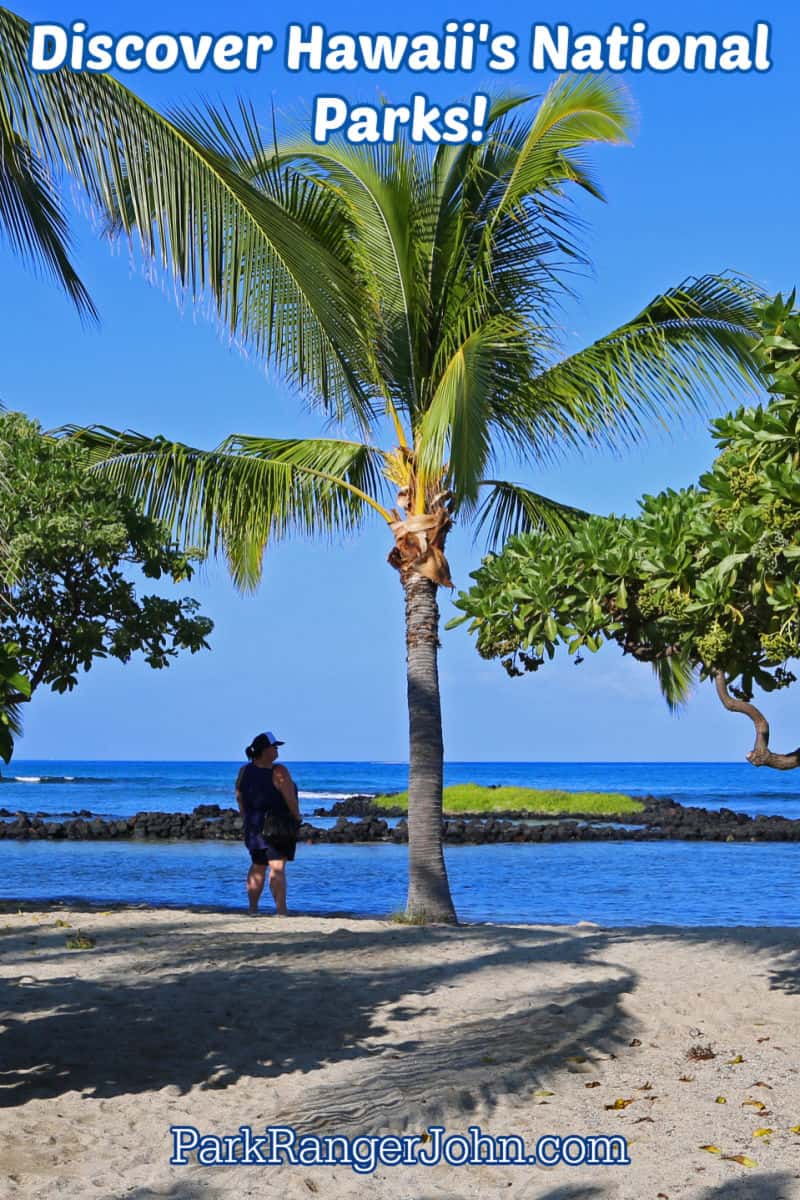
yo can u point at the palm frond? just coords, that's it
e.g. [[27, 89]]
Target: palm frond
[[690, 345], [243, 495], [509, 509], [576, 110], [32, 217], [373, 184], [676, 679], [451, 162], [272, 262], [506, 236], [454, 434]]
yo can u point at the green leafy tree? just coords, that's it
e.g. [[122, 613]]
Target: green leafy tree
[[72, 541], [703, 582], [14, 687], [14, 690], [411, 295]]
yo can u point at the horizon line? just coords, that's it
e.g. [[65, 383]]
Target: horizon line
[[391, 762]]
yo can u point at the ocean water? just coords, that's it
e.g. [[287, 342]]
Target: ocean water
[[612, 883]]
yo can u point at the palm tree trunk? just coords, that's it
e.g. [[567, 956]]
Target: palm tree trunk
[[428, 887]]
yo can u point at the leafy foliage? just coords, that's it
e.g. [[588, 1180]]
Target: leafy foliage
[[72, 541], [14, 689], [704, 579]]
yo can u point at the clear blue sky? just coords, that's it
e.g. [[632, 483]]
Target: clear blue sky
[[317, 655]]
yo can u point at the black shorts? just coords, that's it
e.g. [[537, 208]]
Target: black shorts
[[275, 850]]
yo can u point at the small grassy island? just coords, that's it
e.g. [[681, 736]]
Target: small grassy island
[[471, 798]]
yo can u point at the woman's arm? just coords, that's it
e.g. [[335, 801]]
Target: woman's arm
[[239, 799], [287, 788]]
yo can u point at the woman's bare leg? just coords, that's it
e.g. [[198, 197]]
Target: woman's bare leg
[[277, 884], [255, 885]]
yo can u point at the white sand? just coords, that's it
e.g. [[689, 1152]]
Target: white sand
[[354, 1026]]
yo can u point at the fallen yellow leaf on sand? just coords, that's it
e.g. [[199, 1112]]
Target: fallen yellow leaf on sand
[[758, 1105], [762, 1132], [732, 1062], [794, 1129], [742, 1159], [720, 1100], [543, 1092], [619, 1104], [712, 1149]]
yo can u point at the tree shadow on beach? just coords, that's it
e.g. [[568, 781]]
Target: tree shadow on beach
[[776, 1185], [763, 1186], [530, 1191], [185, 1190], [779, 946], [206, 1006], [568, 1191]]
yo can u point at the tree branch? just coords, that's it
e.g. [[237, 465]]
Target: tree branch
[[760, 755]]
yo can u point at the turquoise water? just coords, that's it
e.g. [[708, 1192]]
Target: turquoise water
[[120, 789], [611, 883]]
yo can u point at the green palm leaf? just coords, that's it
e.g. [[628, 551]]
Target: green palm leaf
[[689, 344], [676, 679], [272, 262], [456, 427], [509, 509], [376, 189], [32, 218], [246, 493], [575, 111]]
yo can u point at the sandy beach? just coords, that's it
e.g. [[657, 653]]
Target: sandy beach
[[346, 1026]]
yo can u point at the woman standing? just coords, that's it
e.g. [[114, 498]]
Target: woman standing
[[267, 799]]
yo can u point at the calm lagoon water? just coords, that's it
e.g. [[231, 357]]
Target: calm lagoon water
[[611, 883], [670, 883]]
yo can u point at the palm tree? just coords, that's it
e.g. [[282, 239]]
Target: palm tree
[[409, 294], [412, 294]]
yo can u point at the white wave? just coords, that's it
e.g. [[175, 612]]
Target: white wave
[[27, 779], [329, 795]]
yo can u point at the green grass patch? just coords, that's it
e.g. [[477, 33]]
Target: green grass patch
[[470, 797], [403, 918]]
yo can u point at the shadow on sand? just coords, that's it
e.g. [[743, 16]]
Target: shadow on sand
[[206, 1006]]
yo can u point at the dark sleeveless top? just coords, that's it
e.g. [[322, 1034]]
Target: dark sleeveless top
[[259, 795]]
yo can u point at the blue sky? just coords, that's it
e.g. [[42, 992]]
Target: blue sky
[[317, 654]]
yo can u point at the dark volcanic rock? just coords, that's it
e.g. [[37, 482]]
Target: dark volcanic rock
[[353, 806], [660, 820]]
